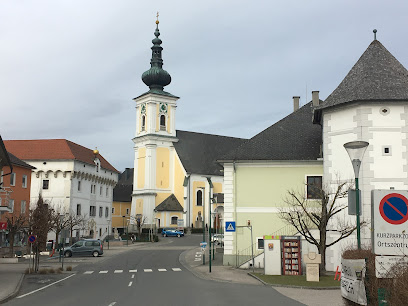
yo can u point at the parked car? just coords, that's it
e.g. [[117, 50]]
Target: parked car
[[218, 239], [172, 233], [85, 247]]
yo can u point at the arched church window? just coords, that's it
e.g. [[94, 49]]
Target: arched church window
[[143, 123], [162, 123], [199, 197]]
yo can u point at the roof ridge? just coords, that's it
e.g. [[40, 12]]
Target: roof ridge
[[210, 134]]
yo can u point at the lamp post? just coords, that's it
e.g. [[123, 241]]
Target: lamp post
[[355, 150]]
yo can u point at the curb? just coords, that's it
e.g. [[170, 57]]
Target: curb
[[292, 286], [15, 292]]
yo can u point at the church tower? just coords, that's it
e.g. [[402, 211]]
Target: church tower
[[153, 143]]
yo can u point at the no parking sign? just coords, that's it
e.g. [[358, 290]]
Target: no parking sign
[[389, 222]]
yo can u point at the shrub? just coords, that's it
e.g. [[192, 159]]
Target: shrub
[[43, 271], [396, 286], [51, 271], [69, 268]]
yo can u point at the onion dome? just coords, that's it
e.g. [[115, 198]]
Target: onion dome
[[156, 77]]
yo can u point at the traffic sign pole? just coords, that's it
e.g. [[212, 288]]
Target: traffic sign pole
[[358, 215]]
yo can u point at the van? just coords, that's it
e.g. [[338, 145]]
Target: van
[[85, 247]]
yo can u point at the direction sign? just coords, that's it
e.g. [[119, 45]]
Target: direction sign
[[3, 225], [203, 244], [31, 239], [394, 208], [230, 226]]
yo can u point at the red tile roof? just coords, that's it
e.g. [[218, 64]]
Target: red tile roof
[[54, 149]]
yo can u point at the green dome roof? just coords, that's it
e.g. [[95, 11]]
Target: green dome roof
[[156, 77]]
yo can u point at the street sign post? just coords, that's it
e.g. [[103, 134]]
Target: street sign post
[[31, 239]]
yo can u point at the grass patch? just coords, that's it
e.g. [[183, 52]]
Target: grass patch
[[298, 280]]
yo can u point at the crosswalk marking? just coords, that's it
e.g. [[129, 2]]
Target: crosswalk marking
[[134, 271]]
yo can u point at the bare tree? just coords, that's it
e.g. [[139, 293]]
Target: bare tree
[[40, 223], [307, 215], [15, 224], [140, 222], [64, 219]]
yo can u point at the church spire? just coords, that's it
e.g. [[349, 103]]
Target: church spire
[[156, 77]]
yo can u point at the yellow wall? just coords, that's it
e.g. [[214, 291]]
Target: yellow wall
[[217, 188], [141, 167], [168, 119], [178, 181], [120, 211], [196, 208], [162, 167]]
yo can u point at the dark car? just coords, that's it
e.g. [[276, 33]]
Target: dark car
[[85, 247], [172, 233]]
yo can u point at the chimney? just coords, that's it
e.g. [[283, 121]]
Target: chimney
[[315, 97], [296, 103]]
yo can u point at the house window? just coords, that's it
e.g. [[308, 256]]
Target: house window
[[100, 211], [46, 184], [24, 181], [11, 205], [1, 177], [78, 209], [93, 189], [107, 191], [13, 179], [162, 123], [127, 211], [314, 187], [113, 210], [199, 197], [100, 190], [174, 220], [23, 207], [260, 244], [79, 185], [106, 212], [92, 211], [143, 123]]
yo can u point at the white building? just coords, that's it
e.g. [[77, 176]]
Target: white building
[[74, 179], [370, 104]]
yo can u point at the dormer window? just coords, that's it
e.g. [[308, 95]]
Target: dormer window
[[162, 122], [143, 123]]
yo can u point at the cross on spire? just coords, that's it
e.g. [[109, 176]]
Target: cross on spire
[[157, 21]]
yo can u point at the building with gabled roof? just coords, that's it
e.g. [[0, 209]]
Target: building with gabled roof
[[74, 179]]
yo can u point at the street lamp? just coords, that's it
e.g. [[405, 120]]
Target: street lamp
[[355, 150]]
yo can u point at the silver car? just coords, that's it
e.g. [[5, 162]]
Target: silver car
[[85, 247]]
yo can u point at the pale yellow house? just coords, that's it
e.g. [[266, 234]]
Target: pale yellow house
[[176, 181], [121, 207], [258, 175]]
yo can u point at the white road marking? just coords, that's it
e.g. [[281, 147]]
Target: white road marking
[[118, 271], [111, 304], [176, 269], [103, 272], [130, 284], [197, 259], [88, 272], [132, 271], [133, 276], [148, 270], [162, 270], [197, 255], [21, 296]]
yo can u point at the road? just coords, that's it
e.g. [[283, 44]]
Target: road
[[151, 275]]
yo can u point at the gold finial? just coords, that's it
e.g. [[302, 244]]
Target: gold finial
[[96, 152], [157, 21]]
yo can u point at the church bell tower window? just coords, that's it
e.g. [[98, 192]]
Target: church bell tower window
[[162, 123], [143, 123]]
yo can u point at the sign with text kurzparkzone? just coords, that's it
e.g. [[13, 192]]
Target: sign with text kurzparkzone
[[389, 222], [352, 280]]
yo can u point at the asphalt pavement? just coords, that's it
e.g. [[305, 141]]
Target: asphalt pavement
[[12, 275]]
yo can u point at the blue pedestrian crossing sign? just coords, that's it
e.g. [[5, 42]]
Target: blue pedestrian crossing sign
[[230, 226]]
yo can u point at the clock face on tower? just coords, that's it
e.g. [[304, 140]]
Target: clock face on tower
[[143, 108], [163, 108]]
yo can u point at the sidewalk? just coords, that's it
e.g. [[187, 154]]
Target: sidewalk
[[222, 273]]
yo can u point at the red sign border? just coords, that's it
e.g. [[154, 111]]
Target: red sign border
[[381, 208], [35, 238]]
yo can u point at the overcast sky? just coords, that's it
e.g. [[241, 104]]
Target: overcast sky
[[70, 69]]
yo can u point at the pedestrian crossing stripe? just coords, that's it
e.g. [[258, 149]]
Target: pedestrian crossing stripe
[[88, 272], [162, 270], [176, 269], [103, 272], [132, 271], [118, 271], [148, 270]]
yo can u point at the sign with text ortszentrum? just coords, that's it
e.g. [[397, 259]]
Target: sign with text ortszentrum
[[389, 222]]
